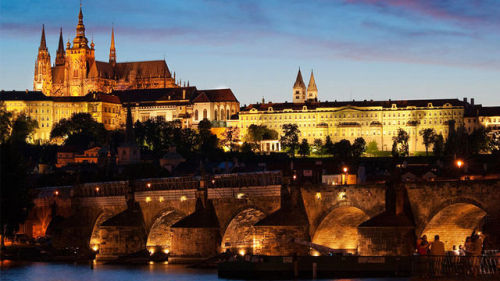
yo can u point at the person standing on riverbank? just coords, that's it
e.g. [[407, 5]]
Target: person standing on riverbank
[[437, 253]]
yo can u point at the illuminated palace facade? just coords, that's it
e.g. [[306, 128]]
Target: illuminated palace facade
[[77, 83], [377, 121]]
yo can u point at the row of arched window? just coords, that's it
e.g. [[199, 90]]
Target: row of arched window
[[222, 114]]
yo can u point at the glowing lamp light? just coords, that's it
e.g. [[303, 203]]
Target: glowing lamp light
[[183, 198], [56, 193], [95, 248], [342, 195], [161, 199], [165, 262], [241, 252], [148, 199], [315, 253], [149, 185], [240, 195], [166, 251], [294, 177], [213, 181], [318, 195], [345, 169], [151, 262], [151, 250], [97, 189], [459, 163]]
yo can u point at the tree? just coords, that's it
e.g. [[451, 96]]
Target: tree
[[304, 148], [317, 147], [358, 147], [479, 140], [22, 129], [230, 135], [5, 123], [81, 130], [400, 144], [208, 141], [257, 133], [328, 147], [187, 142], [494, 145], [342, 150], [246, 148], [372, 148], [438, 145], [428, 136], [290, 138]]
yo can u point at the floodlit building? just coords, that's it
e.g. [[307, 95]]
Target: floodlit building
[[377, 121]]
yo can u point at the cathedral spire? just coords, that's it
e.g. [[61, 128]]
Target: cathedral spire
[[299, 82], [60, 50], [80, 39], [312, 84], [43, 45], [112, 50], [299, 89], [312, 90]]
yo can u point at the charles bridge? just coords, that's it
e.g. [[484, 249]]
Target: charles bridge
[[262, 213]]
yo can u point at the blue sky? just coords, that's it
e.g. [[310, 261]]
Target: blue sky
[[359, 49]]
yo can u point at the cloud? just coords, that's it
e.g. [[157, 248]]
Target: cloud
[[416, 32], [463, 12]]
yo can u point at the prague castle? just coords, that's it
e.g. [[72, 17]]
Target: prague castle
[[77, 82], [76, 72]]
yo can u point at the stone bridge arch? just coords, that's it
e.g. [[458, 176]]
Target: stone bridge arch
[[239, 233], [453, 220], [95, 235], [159, 234], [337, 227]]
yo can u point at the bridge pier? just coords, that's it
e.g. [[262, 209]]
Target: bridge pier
[[198, 234], [391, 233], [122, 234], [275, 234]]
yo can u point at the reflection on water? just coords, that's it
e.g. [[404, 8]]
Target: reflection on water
[[83, 272]]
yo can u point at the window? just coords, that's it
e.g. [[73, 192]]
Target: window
[[196, 115], [215, 114], [205, 114]]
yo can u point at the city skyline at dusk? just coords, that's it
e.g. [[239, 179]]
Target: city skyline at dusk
[[359, 49]]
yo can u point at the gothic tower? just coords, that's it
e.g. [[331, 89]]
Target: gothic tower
[[312, 90], [43, 73], [112, 51], [60, 50], [78, 60], [299, 89]]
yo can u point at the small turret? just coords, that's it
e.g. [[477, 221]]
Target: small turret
[[312, 90], [299, 89]]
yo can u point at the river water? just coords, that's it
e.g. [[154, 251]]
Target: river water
[[83, 272]]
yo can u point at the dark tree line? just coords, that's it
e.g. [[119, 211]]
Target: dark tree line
[[155, 135]]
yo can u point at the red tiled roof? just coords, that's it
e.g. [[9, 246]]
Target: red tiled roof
[[384, 104], [490, 111], [216, 95]]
